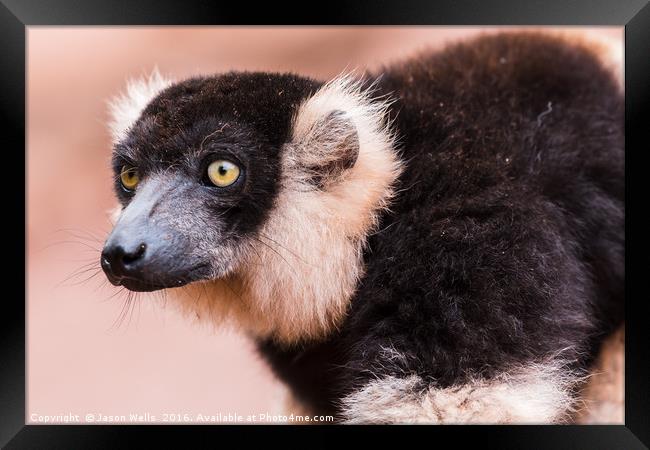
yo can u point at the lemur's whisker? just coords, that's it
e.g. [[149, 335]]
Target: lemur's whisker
[[118, 290], [120, 318], [87, 234], [94, 273], [257, 253], [262, 235], [90, 267], [276, 252], [58, 243]]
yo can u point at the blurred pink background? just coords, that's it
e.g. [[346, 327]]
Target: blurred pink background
[[154, 361]]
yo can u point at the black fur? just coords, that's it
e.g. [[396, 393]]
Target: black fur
[[505, 242]]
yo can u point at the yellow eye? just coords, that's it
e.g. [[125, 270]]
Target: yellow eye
[[223, 173], [129, 177]]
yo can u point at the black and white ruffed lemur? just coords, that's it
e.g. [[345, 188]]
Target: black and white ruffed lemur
[[439, 241]]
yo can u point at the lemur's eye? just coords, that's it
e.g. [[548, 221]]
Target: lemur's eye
[[129, 177], [223, 173]]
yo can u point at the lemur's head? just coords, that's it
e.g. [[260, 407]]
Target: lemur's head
[[254, 192]]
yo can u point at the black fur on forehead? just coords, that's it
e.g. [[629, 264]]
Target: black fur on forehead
[[237, 108], [263, 101]]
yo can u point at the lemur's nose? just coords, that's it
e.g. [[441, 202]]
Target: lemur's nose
[[123, 260]]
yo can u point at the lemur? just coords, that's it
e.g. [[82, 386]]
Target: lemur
[[437, 241]]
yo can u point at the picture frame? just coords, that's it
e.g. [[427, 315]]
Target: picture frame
[[16, 16]]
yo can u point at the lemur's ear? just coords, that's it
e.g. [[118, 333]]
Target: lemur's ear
[[328, 149], [341, 134]]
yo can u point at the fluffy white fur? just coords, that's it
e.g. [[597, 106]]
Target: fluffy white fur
[[297, 277], [126, 108], [535, 394]]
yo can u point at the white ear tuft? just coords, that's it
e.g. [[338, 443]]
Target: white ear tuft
[[346, 94], [127, 107], [328, 150], [340, 122]]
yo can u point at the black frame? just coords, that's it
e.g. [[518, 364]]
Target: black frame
[[16, 15]]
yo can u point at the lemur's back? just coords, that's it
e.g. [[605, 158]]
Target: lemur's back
[[522, 117], [503, 246]]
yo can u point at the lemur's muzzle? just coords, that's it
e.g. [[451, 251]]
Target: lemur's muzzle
[[143, 253], [125, 260]]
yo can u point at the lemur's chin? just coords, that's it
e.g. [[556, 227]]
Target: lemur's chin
[[140, 286], [144, 286], [150, 282]]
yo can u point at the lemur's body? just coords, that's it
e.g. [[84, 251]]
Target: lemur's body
[[458, 265]]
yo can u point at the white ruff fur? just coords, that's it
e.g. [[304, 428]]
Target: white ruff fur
[[296, 279], [536, 394], [125, 109]]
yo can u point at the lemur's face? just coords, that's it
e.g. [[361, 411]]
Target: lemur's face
[[197, 174], [270, 181]]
